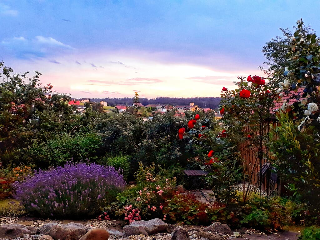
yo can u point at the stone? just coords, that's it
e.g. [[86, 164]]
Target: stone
[[180, 234], [96, 234], [115, 232], [9, 231], [134, 230], [70, 231], [151, 227], [45, 237], [217, 227]]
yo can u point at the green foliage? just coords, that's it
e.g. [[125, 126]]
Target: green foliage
[[118, 162], [296, 157], [65, 148], [310, 233], [265, 213], [225, 172]]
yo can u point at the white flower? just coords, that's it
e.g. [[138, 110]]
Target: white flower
[[307, 112], [313, 107], [284, 105]]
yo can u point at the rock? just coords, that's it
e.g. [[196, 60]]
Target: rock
[[46, 228], [70, 231], [217, 227], [151, 227], [96, 234], [134, 230], [9, 231], [45, 237], [180, 234], [115, 232]]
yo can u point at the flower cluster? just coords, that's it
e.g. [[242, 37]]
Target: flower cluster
[[256, 80], [191, 124], [132, 214], [72, 191], [9, 176]]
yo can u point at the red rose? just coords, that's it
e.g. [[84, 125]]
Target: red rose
[[197, 117], [182, 130], [180, 136], [223, 133], [224, 89], [249, 136], [199, 135], [249, 78], [258, 80], [268, 91], [245, 93], [222, 111], [210, 154], [203, 127], [191, 124], [194, 121]]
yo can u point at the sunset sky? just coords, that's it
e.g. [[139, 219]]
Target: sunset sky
[[174, 48]]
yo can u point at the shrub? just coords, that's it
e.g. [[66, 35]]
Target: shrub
[[9, 176], [64, 148], [73, 191], [146, 198], [310, 233], [120, 163], [187, 209]]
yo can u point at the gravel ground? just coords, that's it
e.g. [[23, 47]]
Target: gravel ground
[[195, 232]]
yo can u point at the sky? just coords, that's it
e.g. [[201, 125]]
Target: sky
[[160, 48]]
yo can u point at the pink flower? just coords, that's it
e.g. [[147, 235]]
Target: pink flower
[[160, 192]]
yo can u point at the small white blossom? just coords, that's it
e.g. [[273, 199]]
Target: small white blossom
[[313, 107], [307, 112]]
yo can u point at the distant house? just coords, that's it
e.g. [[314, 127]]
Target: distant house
[[103, 103], [137, 105], [288, 99], [193, 107], [121, 108]]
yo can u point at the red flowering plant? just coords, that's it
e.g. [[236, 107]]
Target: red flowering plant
[[247, 111]]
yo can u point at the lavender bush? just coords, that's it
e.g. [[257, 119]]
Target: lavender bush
[[72, 191]]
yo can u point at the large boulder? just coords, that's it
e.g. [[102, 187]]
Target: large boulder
[[96, 234], [217, 227], [10, 231], [70, 231], [146, 227]]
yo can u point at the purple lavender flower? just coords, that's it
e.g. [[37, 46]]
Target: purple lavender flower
[[73, 191]]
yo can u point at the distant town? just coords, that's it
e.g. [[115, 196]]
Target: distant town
[[148, 106]]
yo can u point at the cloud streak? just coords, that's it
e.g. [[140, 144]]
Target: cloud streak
[[128, 82], [37, 47], [6, 10], [215, 80]]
